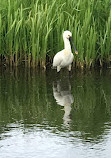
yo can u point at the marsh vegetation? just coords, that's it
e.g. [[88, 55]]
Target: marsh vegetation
[[31, 31]]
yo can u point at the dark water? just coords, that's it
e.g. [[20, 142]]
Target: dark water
[[46, 115]]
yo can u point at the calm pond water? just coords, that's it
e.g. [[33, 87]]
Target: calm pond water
[[46, 115]]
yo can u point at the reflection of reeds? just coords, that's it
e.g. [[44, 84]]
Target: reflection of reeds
[[28, 97], [92, 103], [31, 30], [22, 99]]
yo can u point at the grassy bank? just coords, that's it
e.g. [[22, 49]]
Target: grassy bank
[[31, 31]]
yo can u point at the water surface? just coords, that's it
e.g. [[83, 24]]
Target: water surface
[[54, 116]]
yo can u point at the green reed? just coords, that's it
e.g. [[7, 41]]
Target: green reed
[[31, 31]]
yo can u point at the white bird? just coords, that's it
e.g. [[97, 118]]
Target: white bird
[[65, 57]]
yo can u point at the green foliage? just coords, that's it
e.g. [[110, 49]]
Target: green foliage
[[30, 30]]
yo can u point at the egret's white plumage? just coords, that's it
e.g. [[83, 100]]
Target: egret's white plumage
[[65, 57]]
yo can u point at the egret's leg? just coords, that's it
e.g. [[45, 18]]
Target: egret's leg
[[58, 68], [69, 67]]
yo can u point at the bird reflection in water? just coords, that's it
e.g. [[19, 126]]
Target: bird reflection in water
[[63, 97]]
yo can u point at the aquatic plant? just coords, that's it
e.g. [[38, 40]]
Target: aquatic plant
[[31, 31]]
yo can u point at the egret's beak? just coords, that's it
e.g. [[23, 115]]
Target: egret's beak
[[70, 39]]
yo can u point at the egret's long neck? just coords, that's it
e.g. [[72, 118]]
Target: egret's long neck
[[67, 45]]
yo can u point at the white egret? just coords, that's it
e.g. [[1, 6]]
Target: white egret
[[65, 57]]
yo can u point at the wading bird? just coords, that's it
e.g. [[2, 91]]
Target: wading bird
[[65, 57]]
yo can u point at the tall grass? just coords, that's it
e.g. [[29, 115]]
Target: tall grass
[[31, 31]]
